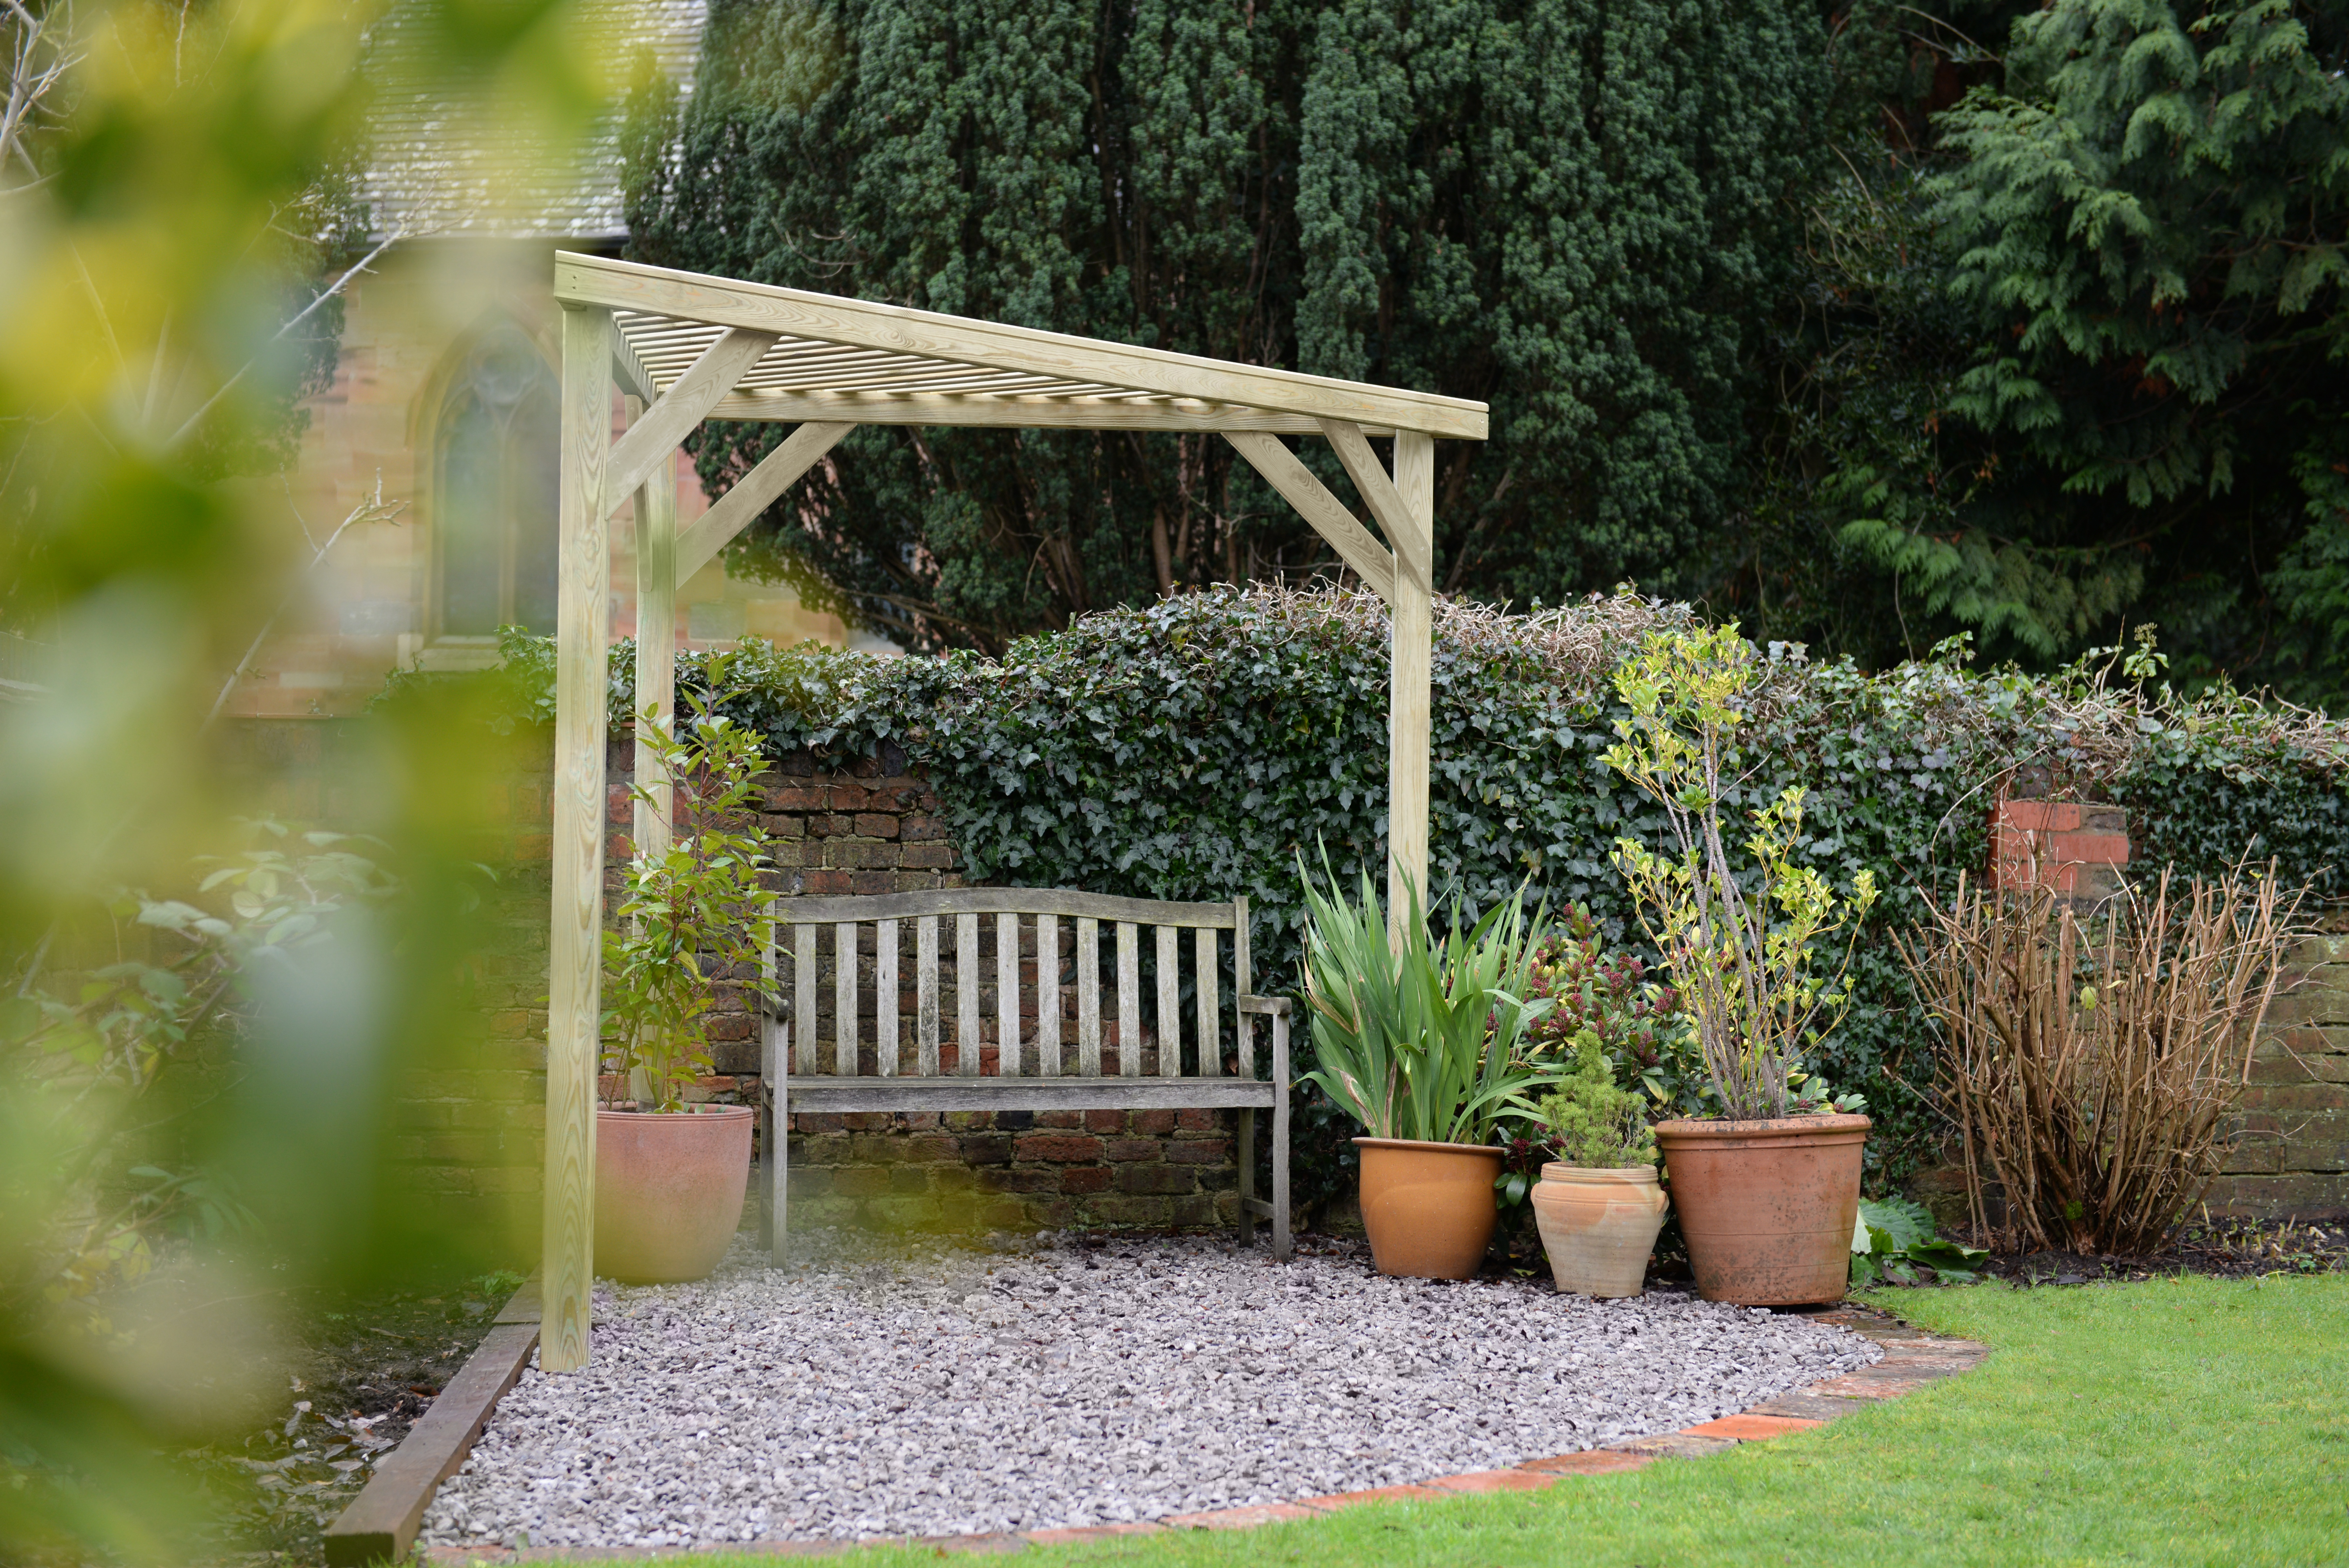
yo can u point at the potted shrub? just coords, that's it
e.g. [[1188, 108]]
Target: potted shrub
[[1419, 1041], [1598, 1204], [669, 1174], [1767, 1190]]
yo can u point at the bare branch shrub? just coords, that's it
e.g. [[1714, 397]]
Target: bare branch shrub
[[2090, 1065]]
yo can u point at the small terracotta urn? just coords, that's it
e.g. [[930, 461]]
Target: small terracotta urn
[[1598, 1226], [1767, 1206], [1428, 1207], [668, 1190]]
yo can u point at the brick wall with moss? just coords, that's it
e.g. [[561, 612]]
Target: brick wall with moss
[[2291, 1152]]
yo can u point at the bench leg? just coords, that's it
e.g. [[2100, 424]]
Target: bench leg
[[775, 1057], [1247, 1177], [1280, 1243]]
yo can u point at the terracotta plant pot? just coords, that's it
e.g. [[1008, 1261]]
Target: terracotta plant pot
[[1598, 1226], [1767, 1206], [668, 1190], [1428, 1207]]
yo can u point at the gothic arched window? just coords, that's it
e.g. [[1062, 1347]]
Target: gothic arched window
[[497, 444]]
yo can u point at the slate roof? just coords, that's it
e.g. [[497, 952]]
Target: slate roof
[[442, 165]]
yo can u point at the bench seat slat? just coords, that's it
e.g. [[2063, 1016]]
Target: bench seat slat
[[829, 1094]]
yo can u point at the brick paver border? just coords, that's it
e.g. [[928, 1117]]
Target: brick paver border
[[1912, 1359]]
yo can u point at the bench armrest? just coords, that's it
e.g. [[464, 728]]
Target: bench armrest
[[1270, 1007]]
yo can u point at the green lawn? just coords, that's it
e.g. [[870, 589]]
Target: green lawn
[[2196, 1422]]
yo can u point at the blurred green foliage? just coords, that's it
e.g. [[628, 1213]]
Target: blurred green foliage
[[196, 1053]]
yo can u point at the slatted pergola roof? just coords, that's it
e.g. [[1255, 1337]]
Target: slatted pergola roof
[[683, 347]]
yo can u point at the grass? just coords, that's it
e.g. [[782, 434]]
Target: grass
[[2172, 1422]]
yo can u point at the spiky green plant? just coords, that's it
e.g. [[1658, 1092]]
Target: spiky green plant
[[1420, 1042]]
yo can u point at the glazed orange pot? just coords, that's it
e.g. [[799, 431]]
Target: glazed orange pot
[[1599, 1225], [1767, 1206], [668, 1190], [1428, 1207]]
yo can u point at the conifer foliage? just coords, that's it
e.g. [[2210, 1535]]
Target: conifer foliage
[[1567, 211]]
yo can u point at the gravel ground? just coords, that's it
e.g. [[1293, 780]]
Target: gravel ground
[[933, 1392]]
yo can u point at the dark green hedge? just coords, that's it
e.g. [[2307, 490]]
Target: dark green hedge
[[1196, 748]]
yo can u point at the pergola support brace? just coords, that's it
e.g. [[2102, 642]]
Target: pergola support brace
[[680, 410], [1313, 501], [751, 494]]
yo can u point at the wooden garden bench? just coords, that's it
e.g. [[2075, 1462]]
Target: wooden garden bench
[[998, 938]]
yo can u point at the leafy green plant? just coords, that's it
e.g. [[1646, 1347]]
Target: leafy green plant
[[1608, 994], [1896, 1237], [689, 912], [1591, 1120], [1422, 1043], [1744, 961]]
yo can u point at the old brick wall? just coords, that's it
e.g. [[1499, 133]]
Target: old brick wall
[[2291, 1155], [873, 828], [2288, 1154]]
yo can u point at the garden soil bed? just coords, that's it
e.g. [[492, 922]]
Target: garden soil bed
[[2219, 1248], [354, 1373]]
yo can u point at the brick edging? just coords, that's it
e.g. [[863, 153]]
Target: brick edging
[[1912, 1359]]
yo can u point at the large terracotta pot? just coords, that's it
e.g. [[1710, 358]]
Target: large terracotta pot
[[1428, 1207], [1767, 1206], [1598, 1226], [668, 1190]]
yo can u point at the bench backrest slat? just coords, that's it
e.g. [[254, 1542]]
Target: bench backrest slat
[[1129, 998], [967, 995], [1023, 1049], [1089, 1060], [926, 996], [1009, 901]]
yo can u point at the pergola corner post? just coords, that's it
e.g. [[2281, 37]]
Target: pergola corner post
[[575, 936], [1411, 620]]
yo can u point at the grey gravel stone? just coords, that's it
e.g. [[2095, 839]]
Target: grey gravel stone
[[932, 1392]]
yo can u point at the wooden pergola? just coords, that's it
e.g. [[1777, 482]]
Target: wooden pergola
[[683, 348]]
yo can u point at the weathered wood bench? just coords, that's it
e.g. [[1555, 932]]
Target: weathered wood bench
[[1105, 1064]]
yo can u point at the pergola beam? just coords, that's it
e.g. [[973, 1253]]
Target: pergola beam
[[1011, 411], [828, 319]]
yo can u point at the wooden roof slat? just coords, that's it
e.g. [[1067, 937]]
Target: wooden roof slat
[[652, 303]]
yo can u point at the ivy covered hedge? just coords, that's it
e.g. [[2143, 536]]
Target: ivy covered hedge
[[1199, 747]]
